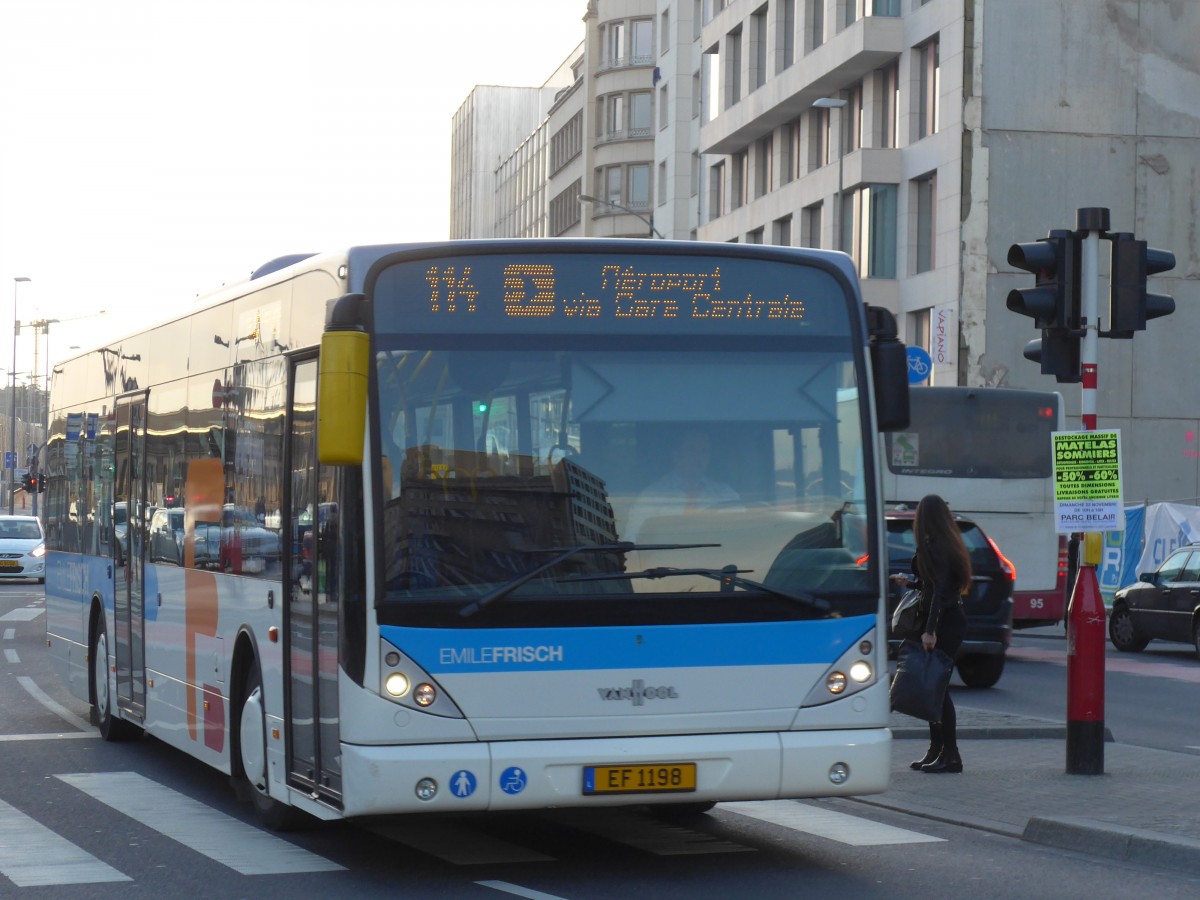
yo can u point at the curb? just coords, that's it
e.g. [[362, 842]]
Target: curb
[[1133, 845], [988, 732]]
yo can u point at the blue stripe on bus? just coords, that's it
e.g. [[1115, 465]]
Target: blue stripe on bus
[[449, 650]]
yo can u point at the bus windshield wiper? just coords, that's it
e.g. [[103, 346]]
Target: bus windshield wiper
[[564, 553], [730, 577]]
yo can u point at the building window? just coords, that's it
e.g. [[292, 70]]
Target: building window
[[925, 226], [869, 229], [564, 210], [711, 95], [918, 328], [929, 87], [758, 49], [815, 24], [781, 232], [737, 180], [852, 121], [639, 186], [787, 37], [887, 102], [820, 139], [790, 158], [716, 190], [810, 226], [694, 176], [662, 182], [733, 67], [755, 236], [764, 161], [639, 114], [642, 50], [616, 44], [567, 143], [614, 116], [664, 35], [611, 190], [663, 117]]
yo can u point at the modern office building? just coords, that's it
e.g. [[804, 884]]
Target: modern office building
[[923, 138]]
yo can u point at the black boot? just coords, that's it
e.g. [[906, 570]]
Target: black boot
[[935, 747], [947, 761]]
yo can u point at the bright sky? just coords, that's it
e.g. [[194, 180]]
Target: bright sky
[[152, 151]]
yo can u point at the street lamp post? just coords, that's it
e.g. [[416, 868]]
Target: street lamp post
[[12, 401], [838, 104], [654, 232]]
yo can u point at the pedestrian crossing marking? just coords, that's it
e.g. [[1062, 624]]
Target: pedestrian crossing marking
[[528, 893], [229, 841], [827, 823], [456, 843], [31, 855], [22, 614]]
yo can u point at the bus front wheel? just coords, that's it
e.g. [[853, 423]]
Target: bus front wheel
[[103, 696], [250, 759]]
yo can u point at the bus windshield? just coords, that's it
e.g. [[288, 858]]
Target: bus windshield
[[570, 472]]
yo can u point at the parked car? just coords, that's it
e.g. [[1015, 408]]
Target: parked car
[[988, 605], [1161, 605], [22, 548]]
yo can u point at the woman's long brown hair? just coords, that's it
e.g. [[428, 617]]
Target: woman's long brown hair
[[939, 543]]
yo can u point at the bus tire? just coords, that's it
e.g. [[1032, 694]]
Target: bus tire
[[979, 671], [102, 692], [249, 762]]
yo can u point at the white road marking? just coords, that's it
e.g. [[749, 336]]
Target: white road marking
[[647, 834], [52, 736], [10, 655], [827, 823], [22, 614], [33, 855], [10, 633], [518, 890], [456, 843], [222, 838], [53, 705]]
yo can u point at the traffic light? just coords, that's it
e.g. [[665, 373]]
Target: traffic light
[[41, 484], [1053, 301], [1058, 352], [28, 482], [1129, 305]]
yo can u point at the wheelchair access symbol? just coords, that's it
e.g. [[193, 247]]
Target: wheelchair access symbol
[[513, 780], [919, 365]]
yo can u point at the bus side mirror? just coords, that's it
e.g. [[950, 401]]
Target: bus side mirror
[[342, 384], [889, 370]]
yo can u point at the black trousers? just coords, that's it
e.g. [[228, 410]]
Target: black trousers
[[952, 628]]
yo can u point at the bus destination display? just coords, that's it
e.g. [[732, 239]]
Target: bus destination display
[[578, 292]]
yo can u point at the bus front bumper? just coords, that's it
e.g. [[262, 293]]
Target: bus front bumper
[[514, 775]]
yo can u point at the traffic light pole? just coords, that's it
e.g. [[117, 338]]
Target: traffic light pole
[[1086, 614]]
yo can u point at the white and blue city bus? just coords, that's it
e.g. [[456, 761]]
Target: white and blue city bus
[[404, 535]]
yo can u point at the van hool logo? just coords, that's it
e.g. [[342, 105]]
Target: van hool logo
[[638, 693]]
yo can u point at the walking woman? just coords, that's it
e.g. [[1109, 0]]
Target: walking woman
[[942, 567]]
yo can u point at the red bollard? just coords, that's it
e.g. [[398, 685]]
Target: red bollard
[[1085, 676]]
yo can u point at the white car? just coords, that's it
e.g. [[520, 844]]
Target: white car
[[22, 548]]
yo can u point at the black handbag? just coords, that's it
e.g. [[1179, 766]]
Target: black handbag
[[920, 683], [907, 621]]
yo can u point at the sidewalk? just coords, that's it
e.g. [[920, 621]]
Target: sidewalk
[[1143, 809]]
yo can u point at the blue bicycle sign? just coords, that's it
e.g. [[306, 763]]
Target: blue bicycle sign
[[919, 365]]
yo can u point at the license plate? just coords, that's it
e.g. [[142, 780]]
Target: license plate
[[657, 778], [8, 563]]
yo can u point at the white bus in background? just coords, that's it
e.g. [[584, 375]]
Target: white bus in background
[[987, 451]]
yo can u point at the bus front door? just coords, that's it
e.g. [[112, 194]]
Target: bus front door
[[314, 758], [129, 502]]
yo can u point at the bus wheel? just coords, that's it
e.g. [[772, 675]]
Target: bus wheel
[[103, 695], [250, 759]]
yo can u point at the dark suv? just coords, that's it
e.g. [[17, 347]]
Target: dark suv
[[989, 605]]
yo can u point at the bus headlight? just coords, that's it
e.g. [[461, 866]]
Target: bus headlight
[[852, 672], [396, 684]]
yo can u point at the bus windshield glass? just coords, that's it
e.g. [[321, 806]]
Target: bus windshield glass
[[539, 467]]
